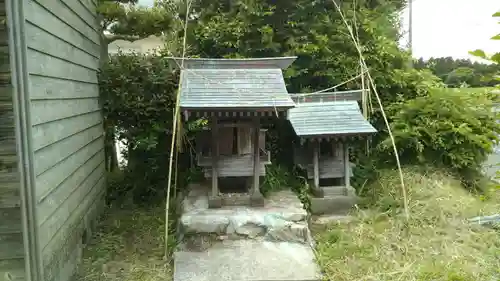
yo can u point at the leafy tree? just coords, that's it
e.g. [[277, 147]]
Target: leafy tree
[[311, 30], [455, 72], [125, 20], [460, 76], [494, 58]]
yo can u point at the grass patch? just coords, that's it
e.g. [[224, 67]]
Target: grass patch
[[280, 178], [128, 246], [277, 178], [437, 243]]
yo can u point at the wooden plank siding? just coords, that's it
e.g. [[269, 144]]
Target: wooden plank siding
[[67, 133], [234, 166], [330, 166], [11, 235]]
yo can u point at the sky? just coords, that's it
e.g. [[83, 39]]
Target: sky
[[449, 27], [453, 27]]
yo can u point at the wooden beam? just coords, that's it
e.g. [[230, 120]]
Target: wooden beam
[[316, 163], [347, 177], [256, 197], [237, 112], [215, 200]]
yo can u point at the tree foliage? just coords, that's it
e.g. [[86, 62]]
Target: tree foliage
[[311, 30], [494, 58], [124, 20], [459, 72], [455, 129], [138, 97], [446, 128], [456, 72]]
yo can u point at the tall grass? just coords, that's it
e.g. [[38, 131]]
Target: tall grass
[[437, 243]]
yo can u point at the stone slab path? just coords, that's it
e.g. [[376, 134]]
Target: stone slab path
[[247, 260]]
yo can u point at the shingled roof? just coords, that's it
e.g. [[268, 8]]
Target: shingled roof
[[234, 84], [332, 118]]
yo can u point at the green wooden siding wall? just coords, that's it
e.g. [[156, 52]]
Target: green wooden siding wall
[[11, 236], [67, 132]]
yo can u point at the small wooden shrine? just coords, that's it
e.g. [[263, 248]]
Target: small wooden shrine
[[234, 95], [325, 122]]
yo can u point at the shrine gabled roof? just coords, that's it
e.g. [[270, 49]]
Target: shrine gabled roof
[[250, 63], [240, 84], [331, 118], [352, 95]]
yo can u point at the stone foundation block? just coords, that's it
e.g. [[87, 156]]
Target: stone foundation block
[[332, 205]]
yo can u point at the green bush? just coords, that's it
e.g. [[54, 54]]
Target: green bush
[[138, 97], [446, 128]]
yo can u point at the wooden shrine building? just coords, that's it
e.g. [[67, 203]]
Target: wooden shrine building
[[234, 95], [325, 124]]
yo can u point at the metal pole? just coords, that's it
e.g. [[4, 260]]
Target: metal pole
[[410, 31]]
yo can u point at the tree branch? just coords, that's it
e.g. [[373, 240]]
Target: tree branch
[[113, 37]]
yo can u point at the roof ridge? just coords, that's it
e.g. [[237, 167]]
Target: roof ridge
[[245, 63]]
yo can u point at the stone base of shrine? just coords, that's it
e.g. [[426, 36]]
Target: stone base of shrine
[[281, 218], [333, 191], [236, 199], [332, 204]]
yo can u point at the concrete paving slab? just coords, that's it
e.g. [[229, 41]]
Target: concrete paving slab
[[248, 260]]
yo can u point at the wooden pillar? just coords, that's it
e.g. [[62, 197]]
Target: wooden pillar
[[316, 163], [316, 189], [347, 175], [256, 197], [214, 199]]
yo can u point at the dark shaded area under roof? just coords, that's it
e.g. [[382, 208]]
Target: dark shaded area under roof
[[336, 118]]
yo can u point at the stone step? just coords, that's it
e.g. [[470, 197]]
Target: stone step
[[281, 219], [338, 191], [247, 260], [333, 205], [329, 219], [246, 224]]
